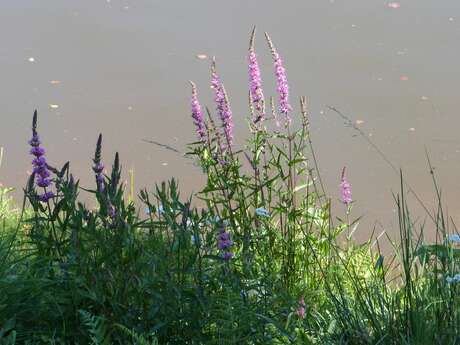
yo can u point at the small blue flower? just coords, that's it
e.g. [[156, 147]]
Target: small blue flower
[[454, 279], [455, 238], [148, 211], [161, 210], [217, 219], [261, 212], [195, 240]]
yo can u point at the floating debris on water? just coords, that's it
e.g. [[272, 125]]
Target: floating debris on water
[[394, 5], [31, 59], [55, 82], [412, 129], [164, 164], [54, 106], [201, 56], [404, 78], [130, 108], [359, 122], [424, 98], [451, 19]]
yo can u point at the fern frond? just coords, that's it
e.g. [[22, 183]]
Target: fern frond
[[138, 339], [96, 328]]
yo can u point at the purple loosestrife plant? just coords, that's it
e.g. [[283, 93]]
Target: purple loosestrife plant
[[112, 212], [227, 120], [224, 242], [301, 309], [282, 83], [98, 166], [255, 81], [197, 115], [223, 106], [345, 189], [40, 166], [98, 169]]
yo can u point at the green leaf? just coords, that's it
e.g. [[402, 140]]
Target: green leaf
[[379, 262]]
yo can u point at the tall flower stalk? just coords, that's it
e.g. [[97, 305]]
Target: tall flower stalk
[[98, 166], [197, 115], [223, 106], [301, 308], [345, 189], [281, 80], [40, 166], [255, 81], [224, 242]]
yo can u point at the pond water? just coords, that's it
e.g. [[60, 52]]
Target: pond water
[[121, 67]]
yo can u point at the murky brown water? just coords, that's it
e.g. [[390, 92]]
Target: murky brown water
[[123, 69]]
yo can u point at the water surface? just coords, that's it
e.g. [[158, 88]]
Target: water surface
[[122, 68]]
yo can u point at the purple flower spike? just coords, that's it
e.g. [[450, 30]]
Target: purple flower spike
[[227, 120], [281, 80], [41, 171], [219, 97], [197, 115], [99, 178], [255, 81], [345, 189], [35, 141], [112, 212], [223, 106], [227, 256], [39, 162], [46, 196], [43, 182], [37, 151], [301, 309], [224, 236], [224, 243], [98, 166], [40, 167]]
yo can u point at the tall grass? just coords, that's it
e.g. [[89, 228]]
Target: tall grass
[[260, 262]]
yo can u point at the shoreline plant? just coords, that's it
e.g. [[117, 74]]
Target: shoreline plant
[[262, 262]]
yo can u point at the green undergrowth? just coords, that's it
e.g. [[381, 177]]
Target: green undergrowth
[[154, 274]]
